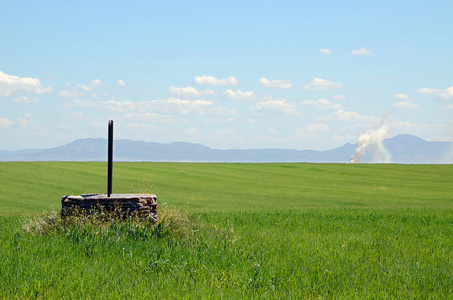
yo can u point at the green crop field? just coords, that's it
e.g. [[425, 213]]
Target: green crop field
[[242, 231]]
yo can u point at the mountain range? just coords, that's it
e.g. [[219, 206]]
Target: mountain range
[[403, 148]]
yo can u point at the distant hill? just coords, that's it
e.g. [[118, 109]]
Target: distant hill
[[403, 148]]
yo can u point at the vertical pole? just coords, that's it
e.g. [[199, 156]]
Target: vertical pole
[[110, 159]]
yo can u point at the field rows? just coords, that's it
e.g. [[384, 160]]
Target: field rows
[[28, 187], [246, 231]]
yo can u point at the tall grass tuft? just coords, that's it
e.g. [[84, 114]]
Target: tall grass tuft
[[171, 223]]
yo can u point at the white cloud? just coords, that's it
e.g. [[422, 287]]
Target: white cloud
[[276, 83], [401, 96], [148, 117], [119, 106], [65, 127], [79, 103], [324, 51], [141, 116], [311, 130], [322, 104], [227, 120], [33, 128], [448, 107], [239, 95], [22, 122], [4, 123], [447, 93], [67, 94], [277, 104], [250, 121], [10, 84], [24, 99], [120, 82], [361, 51], [189, 92], [272, 130], [406, 104], [145, 126], [77, 114], [211, 80], [347, 115], [184, 106], [191, 131], [169, 106], [428, 91], [441, 93], [338, 97], [350, 116], [176, 105], [95, 83], [317, 127], [226, 135], [319, 84]]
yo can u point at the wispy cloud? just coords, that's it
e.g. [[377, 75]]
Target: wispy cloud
[[120, 82], [317, 127], [441, 93], [347, 115], [277, 104], [67, 94], [276, 83], [189, 92], [212, 120], [322, 104], [361, 51], [401, 96], [148, 117], [5, 123], [324, 51], [319, 84], [23, 122], [168, 106], [406, 105], [338, 97], [24, 99], [211, 80], [118, 106], [239, 95], [429, 91], [95, 83], [272, 130], [10, 84]]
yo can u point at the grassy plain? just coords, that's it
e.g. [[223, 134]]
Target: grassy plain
[[34, 186], [274, 231]]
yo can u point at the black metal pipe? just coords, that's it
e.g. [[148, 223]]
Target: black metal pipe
[[110, 159]]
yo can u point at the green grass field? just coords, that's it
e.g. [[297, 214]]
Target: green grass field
[[274, 231]]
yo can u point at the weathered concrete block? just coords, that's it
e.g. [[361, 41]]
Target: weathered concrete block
[[143, 206]]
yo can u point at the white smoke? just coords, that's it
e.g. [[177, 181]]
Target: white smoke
[[371, 141]]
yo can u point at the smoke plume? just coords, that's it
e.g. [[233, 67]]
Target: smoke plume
[[371, 141]]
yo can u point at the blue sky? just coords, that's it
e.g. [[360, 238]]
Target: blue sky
[[225, 74]]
